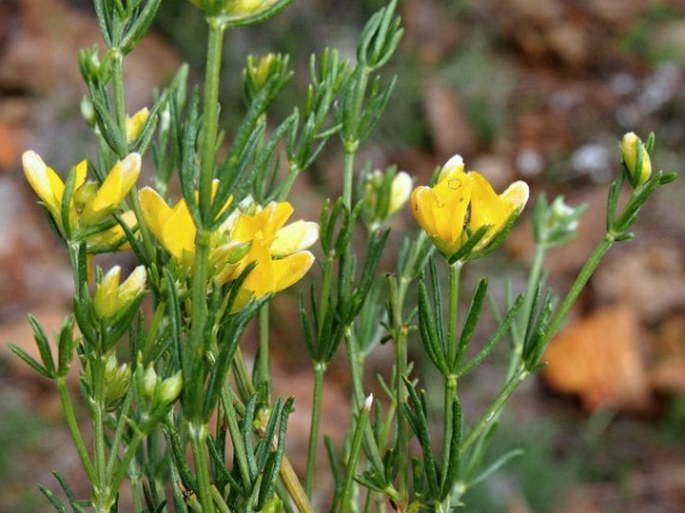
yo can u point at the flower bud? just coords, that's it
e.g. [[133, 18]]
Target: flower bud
[[117, 381], [636, 159], [170, 388], [135, 124], [385, 194], [111, 298], [556, 223], [150, 380]]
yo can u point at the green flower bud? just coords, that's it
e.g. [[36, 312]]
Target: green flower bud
[[117, 381], [635, 159], [111, 298], [170, 388], [385, 194], [150, 380]]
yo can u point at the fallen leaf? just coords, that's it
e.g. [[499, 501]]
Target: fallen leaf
[[598, 358]]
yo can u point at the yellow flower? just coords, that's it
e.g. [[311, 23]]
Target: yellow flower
[[90, 204], [279, 251], [135, 124], [172, 226], [175, 229], [108, 197], [493, 210], [245, 7], [461, 203], [111, 298], [441, 210], [49, 187], [636, 159]]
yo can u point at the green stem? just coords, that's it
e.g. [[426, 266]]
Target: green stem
[[400, 333], [533, 281], [348, 175], [119, 431], [319, 373], [197, 347], [210, 115], [101, 484], [119, 101], [493, 411], [68, 409], [519, 330], [355, 360], [236, 437], [263, 362], [453, 313], [579, 284], [450, 391], [197, 433], [358, 437]]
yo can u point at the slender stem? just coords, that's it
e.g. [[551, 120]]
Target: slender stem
[[533, 281], [400, 333], [348, 175], [197, 433], [236, 437], [119, 101], [319, 373], [292, 484], [493, 411], [263, 362], [450, 392], [579, 284], [519, 329], [101, 491], [210, 114], [453, 312], [199, 313], [68, 409], [119, 431], [358, 437]]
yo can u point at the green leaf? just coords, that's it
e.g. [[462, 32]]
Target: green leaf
[[30, 361]]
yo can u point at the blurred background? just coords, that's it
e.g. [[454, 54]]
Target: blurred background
[[538, 90]]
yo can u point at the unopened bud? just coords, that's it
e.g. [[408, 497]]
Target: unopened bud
[[170, 388], [636, 159]]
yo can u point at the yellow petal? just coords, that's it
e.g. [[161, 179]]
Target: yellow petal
[[113, 190], [261, 279], [178, 233], [455, 165], [291, 269], [487, 208], [294, 237], [517, 194], [135, 124], [155, 210], [47, 184]]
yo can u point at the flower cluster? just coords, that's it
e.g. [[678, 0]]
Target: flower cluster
[[461, 204], [88, 204], [250, 234]]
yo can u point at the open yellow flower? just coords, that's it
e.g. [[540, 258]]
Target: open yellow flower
[[172, 226], [108, 197], [90, 203], [278, 250], [493, 210], [49, 187], [441, 210], [175, 229], [461, 203]]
